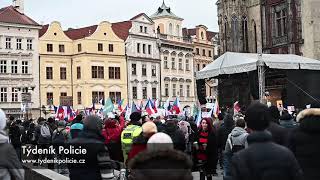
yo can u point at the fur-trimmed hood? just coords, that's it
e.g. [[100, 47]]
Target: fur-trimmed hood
[[308, 112]]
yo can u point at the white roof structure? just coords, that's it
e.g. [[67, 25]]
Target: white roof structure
[[232, 63]]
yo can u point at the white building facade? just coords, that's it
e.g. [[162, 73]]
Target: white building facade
[[177, 74], [19, 63], [143, 60]]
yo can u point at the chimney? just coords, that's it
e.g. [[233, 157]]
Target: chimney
[[19, 5]]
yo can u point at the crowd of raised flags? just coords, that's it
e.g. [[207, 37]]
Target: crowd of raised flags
[[151, 108]]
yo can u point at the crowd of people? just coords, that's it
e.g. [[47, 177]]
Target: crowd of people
[[262, 143]]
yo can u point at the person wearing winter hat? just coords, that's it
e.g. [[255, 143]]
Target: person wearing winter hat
[[159, 141], [132, 131], [11, 167], [304, 142], [96, 158], [263, 159], [140, 142]]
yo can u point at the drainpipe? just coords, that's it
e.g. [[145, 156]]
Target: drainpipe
[[72, 81]]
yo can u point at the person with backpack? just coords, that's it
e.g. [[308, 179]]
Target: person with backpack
[[60, 136], [176, 135], [43, 136], [263, 159], [237, 140], [206, 151], [132, 131]]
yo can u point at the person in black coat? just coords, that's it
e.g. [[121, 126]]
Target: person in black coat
[[279, 133], [263, 159], [206, 154], [97, 160], [304, 143], [176, 135]]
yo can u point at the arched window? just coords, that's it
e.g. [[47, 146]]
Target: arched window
[[170, 29], [202, 35], [245, 34], [234, 33], [178, 30]]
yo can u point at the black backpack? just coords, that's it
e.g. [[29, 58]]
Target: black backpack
[[236, 148], [58, 137]]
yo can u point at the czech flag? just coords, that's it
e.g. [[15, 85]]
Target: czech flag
[[156, 105], [149, 108], [176, 106], [120, 105]]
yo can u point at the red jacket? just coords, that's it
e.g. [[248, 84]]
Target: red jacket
[[112, 131]]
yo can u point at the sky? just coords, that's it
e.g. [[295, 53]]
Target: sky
[[80, 13]]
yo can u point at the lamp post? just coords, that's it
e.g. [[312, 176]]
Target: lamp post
[[26, 97]]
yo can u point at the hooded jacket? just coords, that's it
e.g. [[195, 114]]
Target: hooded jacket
[[238, 136], [224, 131], [304, 143], [11, 167]]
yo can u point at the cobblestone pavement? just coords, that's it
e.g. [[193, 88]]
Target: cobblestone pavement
[[196, 175]]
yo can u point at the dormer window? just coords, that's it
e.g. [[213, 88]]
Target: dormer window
[[202, 36], [141, 29], [145, 29]]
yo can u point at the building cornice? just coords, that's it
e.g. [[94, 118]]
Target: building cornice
[[132, 58], [20, 26]]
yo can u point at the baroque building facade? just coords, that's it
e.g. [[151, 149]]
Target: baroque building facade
[[87, 64], [19, 63], [204, 50], [176, 54], [143, 58]]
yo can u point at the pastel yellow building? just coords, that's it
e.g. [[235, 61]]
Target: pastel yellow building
[[87, 64]]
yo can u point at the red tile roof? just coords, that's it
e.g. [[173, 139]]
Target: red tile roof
[[191, 32], [43, 30], [121, 29], [11, 15], [80, 33]]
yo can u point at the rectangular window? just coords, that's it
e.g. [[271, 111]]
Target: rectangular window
[[114, 72], [14, 67], [173, 63], [49, 47], [19, 44], [115, 96], [63, 73], [25, 69], [166, 90], [3, 94], [145, 29], [203, 52], [110, 47], [3, 66], [149, 49], [197, 51], [174, 92], [181, 90], [187, 65], [141, 28], [210, 55], [154, 70], [97, 95], [29, 44], [198, 67], [49, 72], [8, 43], [78, 72], [49, 98], [143, 48], [144, 93], [63, 94], [134, 92], [154, 93], [14, 95], [97, 72], [165, 62], [138, 47], [134, 69], [203, 66], [144, 70], [61, 48], [79, 98], [281, 22], [180, 64], [100, 47], [79, 48], [188, 90]]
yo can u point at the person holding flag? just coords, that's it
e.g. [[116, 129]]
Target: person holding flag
[[176, 106]]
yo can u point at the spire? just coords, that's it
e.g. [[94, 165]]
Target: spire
[[163, 6]]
